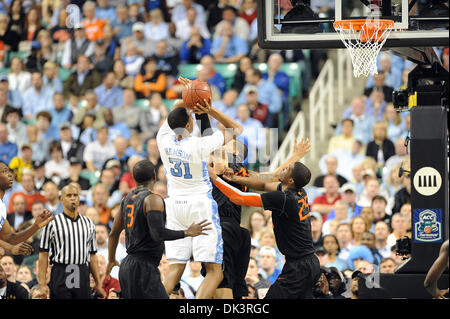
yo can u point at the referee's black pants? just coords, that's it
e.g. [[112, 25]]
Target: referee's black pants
[[69, 282], [297, 279]]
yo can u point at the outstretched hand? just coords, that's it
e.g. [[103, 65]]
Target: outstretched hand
[[43, 219], [198, 229], [184, 81], [22, 249], [302, 148]]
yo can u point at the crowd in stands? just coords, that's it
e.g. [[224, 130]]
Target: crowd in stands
[[83, 91]]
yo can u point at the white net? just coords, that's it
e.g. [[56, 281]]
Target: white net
[[364, 41]]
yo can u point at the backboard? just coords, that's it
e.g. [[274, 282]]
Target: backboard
[[308, 24]]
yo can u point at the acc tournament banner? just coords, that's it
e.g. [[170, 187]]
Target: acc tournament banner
[[427, 225]]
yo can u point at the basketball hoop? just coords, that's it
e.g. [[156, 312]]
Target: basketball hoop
[[364, 39]]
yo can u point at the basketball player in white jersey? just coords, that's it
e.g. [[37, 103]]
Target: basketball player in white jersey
[[185, 160], [10, 240]]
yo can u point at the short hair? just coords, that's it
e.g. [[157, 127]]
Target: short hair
[[55, 145], [144, 172], [178, 118], [257, 72], [301, 175], [348, 120], [387, 259], [380, 198], [230, 8], [45, 114]]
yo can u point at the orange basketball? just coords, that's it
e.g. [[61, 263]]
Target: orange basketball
[[195, 93]]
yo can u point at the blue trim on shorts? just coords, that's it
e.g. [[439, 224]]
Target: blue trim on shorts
[[216, 222]]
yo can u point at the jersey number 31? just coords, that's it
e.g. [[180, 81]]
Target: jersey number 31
[[177, 170]]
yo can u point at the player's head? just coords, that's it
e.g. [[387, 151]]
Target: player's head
[[295, 175], [144, 172], [180, 121], [238, 149], [6, 177], [70, 197]]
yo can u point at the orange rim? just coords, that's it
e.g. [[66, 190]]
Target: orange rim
[[374, 28]]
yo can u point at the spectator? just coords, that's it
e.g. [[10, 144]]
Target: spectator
[[115, 129], [379, 207], [123, 80], [372, 188], [368, 215], [127, 112], [105, 12], [325, 202], [179, 12], [114, 195], [92, 107], [32, 25], [316, 229], [156, 29], [406, 212], [399, 229], [239, 26], [24, 275], [322, 255], [39, 292], [4, 107], [110, 283], [87, 129], [381, 148], [363, 122], [51, 193], [8, 150], [375, 105], [345, 140], [36, 98], [379, 83], [226, 105], [70, 148], [18, 164], [120, 147], [401, 151], [248, 11], [185, 26], [59, 112], [368, 240], [153, 153], [10, 290], [214, 78], [74, 170], [150, 79], [395, 126], [239, 78], [267, 261], [341, 216], [12, 97], [387, 266], [403, 195], [331, 166], [9, 38], [357, 256], [19, 213], [167, 62], [39, 175], [215, 14], [227, 47], [29, 192], [358, 226], [173, 42], [58, 28], [331, 245], [76, 46], [47, 132], [57, 168], [108, 93], [93, 25], [99, 199], [127, 182], [257, 224], [194, 278], [132, 60], [253, 132], [101, 61], [18, 78], [82, 79], [121, 24], [267, 94], [145, 47], [258, 110], [96, 153], [17, 130], [195, 47], [101, 239], [344, 237], [348, 194], [51, 78], [381, 235]]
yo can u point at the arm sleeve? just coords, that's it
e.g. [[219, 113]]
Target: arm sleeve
[[158, 231], [238, 197], [205, 124]]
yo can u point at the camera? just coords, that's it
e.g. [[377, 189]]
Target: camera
[[400, 99], [403, 247]]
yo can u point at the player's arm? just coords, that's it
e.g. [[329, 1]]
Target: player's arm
[[7, 234], [93, 268], [435, 273], [43, 265], [253, 182], [154, 212], [113, 241], [19, 249]]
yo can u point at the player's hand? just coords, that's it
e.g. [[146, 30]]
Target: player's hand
[[440, 294], [110, 266], [112, 294], [22, 249], [212, 174], [198, 229], [184, 81], [43, 219], [206, 108], [302, 148], [101, 291], [228, 175]]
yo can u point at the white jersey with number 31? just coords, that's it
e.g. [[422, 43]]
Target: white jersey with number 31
[[185, 162]]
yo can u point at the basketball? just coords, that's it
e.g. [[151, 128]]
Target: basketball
[[195, 93]]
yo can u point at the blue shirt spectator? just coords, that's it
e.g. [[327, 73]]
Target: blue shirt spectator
[[267, 94], [14, 98], [8, 150], [234, 47], [108, 94], [59, 112], [192, 53], [102, 11], [37, 98], [253, 133], [121, 23], [55, 83], [363, 124]]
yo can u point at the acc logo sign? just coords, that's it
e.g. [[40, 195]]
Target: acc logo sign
[[427, 225], [427, 181]]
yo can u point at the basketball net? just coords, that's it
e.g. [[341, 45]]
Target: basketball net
[[364, 40]]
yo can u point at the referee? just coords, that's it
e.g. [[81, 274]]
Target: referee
[[69, 240]]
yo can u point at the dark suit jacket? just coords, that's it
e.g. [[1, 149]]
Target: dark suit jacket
[[71, 86], [12, 217], [15, 291], [387, 147]]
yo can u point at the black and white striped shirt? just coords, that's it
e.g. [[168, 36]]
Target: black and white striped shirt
[[69, 241]]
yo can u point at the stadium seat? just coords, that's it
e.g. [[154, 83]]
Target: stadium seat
[[293, 70], [64, 73], [93, 179], [143, 103], [169, 103], [188, 71], [227, 71], [4, 71], [10, 55]]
